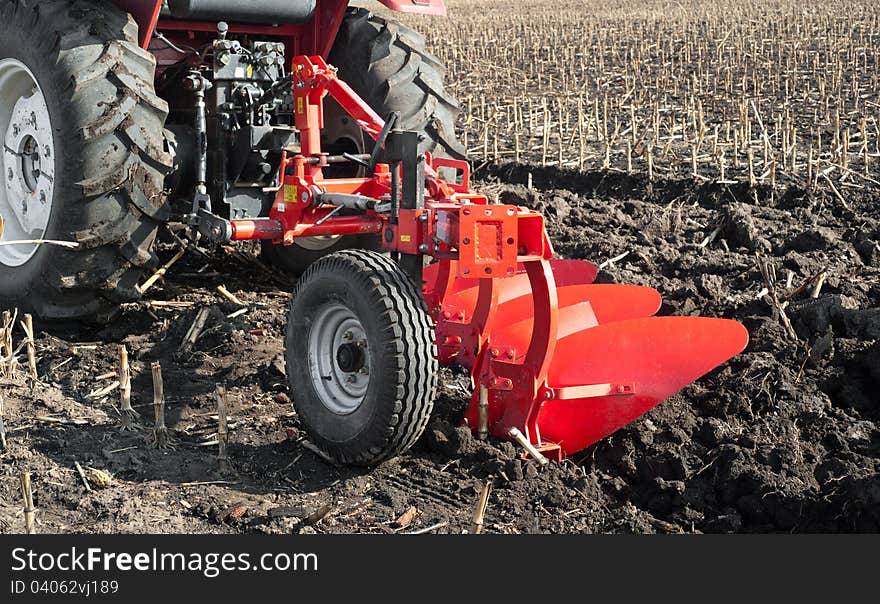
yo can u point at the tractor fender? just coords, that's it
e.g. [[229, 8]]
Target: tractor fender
[[422, 7], [145, 13]]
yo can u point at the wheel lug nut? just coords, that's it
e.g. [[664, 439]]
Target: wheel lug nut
[[10, 174], [348, 336], [42, 197], [350, 379], [47, 151]]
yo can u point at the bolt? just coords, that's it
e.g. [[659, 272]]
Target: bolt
[[494, 353], [304, 197], [423, 249], [423, 218]]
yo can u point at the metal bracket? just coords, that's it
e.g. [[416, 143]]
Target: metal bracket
[[590, 391], [402, 153], [390, 123], [214, 228]]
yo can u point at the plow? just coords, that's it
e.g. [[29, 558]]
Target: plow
[[228, 122]]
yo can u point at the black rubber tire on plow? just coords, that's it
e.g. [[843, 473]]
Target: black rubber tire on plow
[[361, 358]]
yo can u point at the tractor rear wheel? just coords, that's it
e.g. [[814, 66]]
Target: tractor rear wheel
[[387, 64], [361, 359], [83, 157]]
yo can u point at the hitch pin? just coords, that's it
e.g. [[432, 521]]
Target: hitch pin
[[332, 213]]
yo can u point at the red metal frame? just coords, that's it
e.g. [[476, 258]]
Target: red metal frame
[[472, 240], [486, 241]]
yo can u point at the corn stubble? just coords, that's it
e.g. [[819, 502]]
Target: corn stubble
[[774, 94]]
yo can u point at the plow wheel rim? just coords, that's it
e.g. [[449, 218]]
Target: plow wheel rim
[[27, 161], [339, 358]]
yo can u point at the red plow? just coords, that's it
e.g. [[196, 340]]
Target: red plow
[[562, 359]]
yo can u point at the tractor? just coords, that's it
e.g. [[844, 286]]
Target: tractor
[[324, 132]]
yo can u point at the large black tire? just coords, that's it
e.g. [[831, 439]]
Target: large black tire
[[389, 414], [387, 64], [110, 158]]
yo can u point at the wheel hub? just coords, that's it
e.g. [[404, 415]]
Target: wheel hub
[[27, 162], [339, 358], [350, 357]]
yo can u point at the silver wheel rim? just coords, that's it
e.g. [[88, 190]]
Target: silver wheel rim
[[27, 163], [339, 358]]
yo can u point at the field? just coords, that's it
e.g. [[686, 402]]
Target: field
[[724, 153]]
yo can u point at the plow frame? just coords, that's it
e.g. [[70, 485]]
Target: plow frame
[[418, 214]]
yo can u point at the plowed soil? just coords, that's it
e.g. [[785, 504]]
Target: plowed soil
[[785, 437]]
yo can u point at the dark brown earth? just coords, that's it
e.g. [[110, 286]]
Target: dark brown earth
[[786, 437]]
